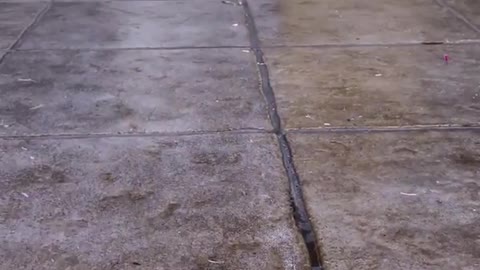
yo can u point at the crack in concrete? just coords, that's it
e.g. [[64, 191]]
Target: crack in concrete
[[458, 15], [34, 22], [300, 213]]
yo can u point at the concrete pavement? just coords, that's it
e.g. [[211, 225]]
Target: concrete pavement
[[270, 134]]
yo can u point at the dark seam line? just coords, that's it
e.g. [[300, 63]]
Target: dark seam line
[[35, 20], [315, 46], [133, 48], [300, 213], [131, 135], [458, 15], [381, 129]]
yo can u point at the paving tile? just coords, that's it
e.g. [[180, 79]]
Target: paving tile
[[393, 200], [376, 86], [129, 91], [307, 22], [14, 18], [138, 24], [198, 202], [468, 8]]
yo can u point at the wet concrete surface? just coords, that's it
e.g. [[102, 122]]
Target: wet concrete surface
[[78, 92], [376, 86], [134, 135], [310, 22], [199, 202], [138, 24], [393, 200]]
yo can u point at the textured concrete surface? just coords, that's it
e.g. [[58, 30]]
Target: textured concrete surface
[[376, 86], [199, 202], [129, 91], [393, 200], [14, 17], [139, 24], [133, 135], [307, 22]]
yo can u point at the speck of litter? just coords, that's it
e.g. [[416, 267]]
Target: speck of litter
[[246, 51], [378, 75], [217, 262], [308, 116], [408, 194], [326, 124], [24, 194], [25, 80], [24, 148], [36, 107], [235, 24], [32, 157]]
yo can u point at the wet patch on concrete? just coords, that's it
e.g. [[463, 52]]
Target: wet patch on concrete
[[129, 91], [122, 203], [393, 200], [376, 86], [304, 22], [138, 24]]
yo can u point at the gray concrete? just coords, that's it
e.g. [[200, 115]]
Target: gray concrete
[[206, 202], [14, 17], [299, 22], [376, 86], [123, 138], [138, 24], [393, 200], [129, 91]]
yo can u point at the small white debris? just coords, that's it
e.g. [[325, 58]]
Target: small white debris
[[36, 107], [235, 24], [246, 51], [260, 64], [24, 194], [32, 157], [408, 194], [474, 210], [229, 2], [25, 80], [5, 126], [217, 262], [216, 100], [378, 75], [326, 124], [309, 116], [24, 148]]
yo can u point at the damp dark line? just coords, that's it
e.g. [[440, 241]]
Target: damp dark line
[[67, 136], [132, 48], [34, 22], [314, 46], [380, 129], [458, 15], [300, 213]]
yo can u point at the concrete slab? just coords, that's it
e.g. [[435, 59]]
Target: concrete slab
[[139, 24], [14, 18], [199, 202], [130, 91], [300, 22], [468, 8], [376, 86], [393, 200]]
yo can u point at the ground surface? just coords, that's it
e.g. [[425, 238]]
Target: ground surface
[[142, 134]]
